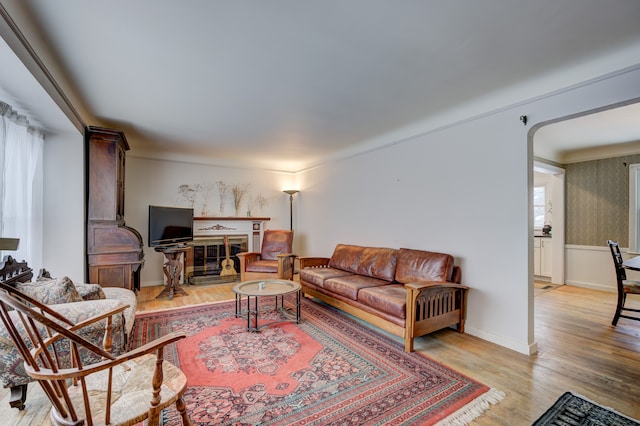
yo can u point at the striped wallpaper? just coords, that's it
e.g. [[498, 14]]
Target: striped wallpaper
[[597, 204]]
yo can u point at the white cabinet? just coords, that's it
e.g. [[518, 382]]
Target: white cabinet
[[545, 257], [536, 256], [542, 256]]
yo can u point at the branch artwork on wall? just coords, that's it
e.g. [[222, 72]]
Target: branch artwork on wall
[[257, 202], [239, 191], [222, 191], [198, 196], [207, 189], [188, 193]]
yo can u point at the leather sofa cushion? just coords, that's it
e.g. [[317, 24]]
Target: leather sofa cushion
[[346, 257], [419, 265], [349, 285], [378, 262], [317, 276], [391, 299]]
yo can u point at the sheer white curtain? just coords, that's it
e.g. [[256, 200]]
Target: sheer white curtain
[[21, 168]]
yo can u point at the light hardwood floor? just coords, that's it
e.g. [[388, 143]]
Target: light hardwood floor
[[578, 350]]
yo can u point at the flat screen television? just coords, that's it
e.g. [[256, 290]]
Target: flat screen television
[[170, 226]]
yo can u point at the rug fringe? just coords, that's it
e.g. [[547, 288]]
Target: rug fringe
[[474, 409]]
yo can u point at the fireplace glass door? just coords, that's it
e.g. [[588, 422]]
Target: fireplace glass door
[[208, 255]]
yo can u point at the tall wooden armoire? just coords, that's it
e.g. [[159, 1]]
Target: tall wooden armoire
[[114, 251]]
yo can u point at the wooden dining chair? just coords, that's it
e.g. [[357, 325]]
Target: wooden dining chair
[[625, 286], [84, 382]]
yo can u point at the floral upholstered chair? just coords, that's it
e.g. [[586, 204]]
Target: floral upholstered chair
[[84, 381], [75, 301]]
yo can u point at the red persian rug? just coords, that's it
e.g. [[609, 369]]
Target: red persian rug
[[327, 370]]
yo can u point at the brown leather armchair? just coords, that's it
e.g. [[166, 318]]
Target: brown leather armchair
[[275, 260]]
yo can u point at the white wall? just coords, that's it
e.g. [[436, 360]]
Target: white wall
[[156, 182], [592, 267], [461, 188], [64, 218]]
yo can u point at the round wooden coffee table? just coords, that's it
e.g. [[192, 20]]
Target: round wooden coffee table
[[256, 289]]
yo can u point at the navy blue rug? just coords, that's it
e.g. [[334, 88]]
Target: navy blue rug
[[572, 409]]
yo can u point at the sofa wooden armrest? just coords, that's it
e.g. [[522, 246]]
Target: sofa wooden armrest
[[429, 284], [313, 262], [432, 306]]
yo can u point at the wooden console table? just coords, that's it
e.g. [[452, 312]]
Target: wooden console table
[[172, 269]]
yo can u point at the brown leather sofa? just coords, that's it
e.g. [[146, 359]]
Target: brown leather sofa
[[406, 292]]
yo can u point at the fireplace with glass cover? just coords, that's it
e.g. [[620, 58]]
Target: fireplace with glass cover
[[208, 260]]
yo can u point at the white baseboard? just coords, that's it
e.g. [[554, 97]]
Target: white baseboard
[[523, 348], [591, 286]]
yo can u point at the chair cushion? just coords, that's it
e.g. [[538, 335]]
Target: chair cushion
[[11, 364], [132, 390], [262, 266], [275, 242], [95, 332], [51, 291], [90, 291]]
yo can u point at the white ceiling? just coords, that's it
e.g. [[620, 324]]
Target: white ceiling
[[21, 91], [286, 84], [578, 138]]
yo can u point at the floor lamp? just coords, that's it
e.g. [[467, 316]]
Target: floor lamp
[[291, 192]]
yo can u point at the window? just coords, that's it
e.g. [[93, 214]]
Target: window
[[21, 197], [539, 206]]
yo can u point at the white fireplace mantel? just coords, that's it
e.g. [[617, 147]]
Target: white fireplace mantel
[[252, 227]]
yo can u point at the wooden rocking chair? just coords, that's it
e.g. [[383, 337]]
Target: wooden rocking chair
[[113, 390]]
